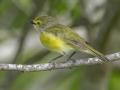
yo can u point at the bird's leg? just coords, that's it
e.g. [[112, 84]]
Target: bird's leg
[[51, 61], [71, 56], [71, 59]]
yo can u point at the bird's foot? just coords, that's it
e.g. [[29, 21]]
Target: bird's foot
[[73, 60], [51, 62]]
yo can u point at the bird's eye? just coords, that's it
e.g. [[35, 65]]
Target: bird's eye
[[38, 23]]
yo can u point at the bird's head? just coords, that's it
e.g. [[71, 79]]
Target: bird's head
[[43, 22]]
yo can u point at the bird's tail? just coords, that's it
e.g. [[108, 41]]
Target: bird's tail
[[92, 51]]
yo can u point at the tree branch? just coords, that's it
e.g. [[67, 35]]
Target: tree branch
[[65, 64]]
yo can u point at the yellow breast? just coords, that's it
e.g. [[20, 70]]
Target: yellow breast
[[54, 43]]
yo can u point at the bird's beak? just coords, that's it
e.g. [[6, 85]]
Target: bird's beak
[[31, 21]]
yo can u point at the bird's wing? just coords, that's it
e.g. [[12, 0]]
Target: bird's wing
[[68, 35], [74, 40]]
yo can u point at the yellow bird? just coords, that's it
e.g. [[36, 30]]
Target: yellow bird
[[62, 39]]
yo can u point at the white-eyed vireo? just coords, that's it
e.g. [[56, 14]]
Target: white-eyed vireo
[[62, 39]]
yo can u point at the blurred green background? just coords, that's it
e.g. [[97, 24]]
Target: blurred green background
[[97, 21]]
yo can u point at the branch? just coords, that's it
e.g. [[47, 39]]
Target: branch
[[39, 4], [65, 64]]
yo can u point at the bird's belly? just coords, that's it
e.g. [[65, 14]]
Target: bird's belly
[[54, 43]]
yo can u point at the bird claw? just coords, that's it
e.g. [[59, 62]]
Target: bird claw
[[51, 62], [73, 60]]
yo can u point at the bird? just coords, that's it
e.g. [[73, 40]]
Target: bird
[[59, 38]]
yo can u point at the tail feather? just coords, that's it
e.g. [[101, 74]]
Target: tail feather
[[98, 54]]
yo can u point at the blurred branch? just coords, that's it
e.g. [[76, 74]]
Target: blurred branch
[[27, 27], [110, 19], [37, 57], [65, 64], [13, 75], [97, 77], [10, 76]]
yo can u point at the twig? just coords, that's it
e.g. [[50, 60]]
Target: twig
[[27, 28], [65, 64], [9, 76]]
